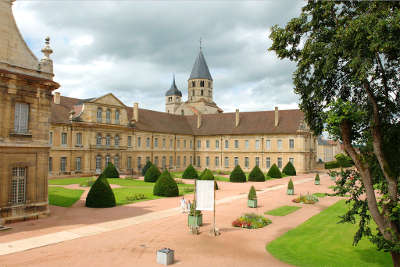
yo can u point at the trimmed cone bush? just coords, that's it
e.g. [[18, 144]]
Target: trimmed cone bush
[[252, 194], [166, 186], [290, 185], [317, 179], [274, 172], [256, 175], [237, 175], [289, 169], [100, 194], [152, 174], [146, 167], [208, 175], [190, 173], [110, 171]]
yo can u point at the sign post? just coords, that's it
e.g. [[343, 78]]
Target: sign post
[[205, 199]]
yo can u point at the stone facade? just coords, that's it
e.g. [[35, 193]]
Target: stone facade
[[25, 97]]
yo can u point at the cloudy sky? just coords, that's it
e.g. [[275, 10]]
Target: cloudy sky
[[132, 48]]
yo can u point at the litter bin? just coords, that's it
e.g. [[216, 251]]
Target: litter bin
[[165, 256]]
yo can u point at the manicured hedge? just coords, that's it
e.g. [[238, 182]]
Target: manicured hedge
[[190, 173], [100, 194], [342, 161], [289, 169], [252, 194], [317, 178], [256, 175], [152, 174], [208, 175], [146, 167], [110, 171], [274, 172], [290, 185], [237, 175], [166, 186], [331, 165]]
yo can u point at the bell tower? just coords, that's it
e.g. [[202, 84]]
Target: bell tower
[[172, 98]]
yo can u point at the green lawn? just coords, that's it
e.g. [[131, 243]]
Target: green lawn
[[68, 181], [320, 195], [320, 241], [63, 197], [282, 211]]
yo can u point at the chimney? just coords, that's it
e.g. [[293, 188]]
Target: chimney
[[198, 120], [237, 118], [57, 97], [276, 117], [136, 111]]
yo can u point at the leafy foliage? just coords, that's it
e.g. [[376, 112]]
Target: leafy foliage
[[152, 174], [256, 175], [146, 167], [100, 194], [166, 186], [252, 194], [237, 175], [289, 169], [110, 171], [190, 173], [274, 172]]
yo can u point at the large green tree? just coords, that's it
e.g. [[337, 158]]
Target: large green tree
[[348, 80]]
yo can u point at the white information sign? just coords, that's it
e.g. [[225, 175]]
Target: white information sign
[[204, 194]]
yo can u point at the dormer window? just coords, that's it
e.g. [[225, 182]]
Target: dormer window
[[193, 83], [99, 114], [201, 83], [117, 116], [108, 116]]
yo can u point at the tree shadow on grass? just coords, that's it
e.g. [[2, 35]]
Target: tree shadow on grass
[[369, 256]]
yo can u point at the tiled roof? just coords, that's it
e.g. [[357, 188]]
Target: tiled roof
[[259, 122], [200, 68]]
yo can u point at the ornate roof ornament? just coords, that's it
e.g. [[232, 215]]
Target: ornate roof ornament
[[47, 51]]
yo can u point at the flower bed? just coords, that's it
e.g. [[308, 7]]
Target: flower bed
[[306, 199], [251, 221]]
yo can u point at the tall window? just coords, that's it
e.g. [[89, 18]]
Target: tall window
[[50, 138], [216, 161], [268, 144], [246, 144], [199, 144], [21, 117], [155, 142], [226, 162], [184, 143], [171, 161], [78, 164], [116, 140], [50, 164], [178, 143], [279, 144], [193, 83], [129, 140], [236, 161], [184, 161], [98, 163], [226, 143], [171, 143], [148, 142], [18, 186], [291, 143], [257, 144], [279, 163], [108, 160], [98, 139], [208, 144], [63, 164], [236, 143], [291, 160], [191, 144], [163, 143], [79, 139], [108, 140], [201, 83], [191, 160], [178, 161], [246, 162], [108, 116], [268, 162], [198, 161], [201, 92], [216, 143], [164, 162], [116, 161], [99, 115], [147, 159], [258, 161], [63, 139], [207, 161], [117, 116], [139, 163], [156, 160], [129, 163]]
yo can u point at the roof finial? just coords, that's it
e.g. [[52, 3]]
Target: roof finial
[[47, 51], [200, 43]]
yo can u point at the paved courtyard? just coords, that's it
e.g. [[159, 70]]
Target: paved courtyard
[[129, 235]]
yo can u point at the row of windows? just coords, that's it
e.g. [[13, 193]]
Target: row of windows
[[108, 116], [246, 144], [246, 162]]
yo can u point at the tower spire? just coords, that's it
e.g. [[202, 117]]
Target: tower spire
[[200, 43]]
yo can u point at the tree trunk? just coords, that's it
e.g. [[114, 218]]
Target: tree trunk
[[395, 259]]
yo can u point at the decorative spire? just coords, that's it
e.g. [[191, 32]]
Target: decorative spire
[[47, 51], [173, 90]]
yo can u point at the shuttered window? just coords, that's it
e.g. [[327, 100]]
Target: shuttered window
[[21, 117]]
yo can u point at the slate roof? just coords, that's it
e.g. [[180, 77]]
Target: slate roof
[[259, 122], [200, 68], [173, 90]]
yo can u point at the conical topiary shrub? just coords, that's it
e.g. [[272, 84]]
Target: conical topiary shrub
[[110, 171], [289, 169], [317, 179], [166, 186], [256, 175], [100, 194], [237, 175], [152, 174], [252, 198], [190, 173], [146, 167], [274, 172], [290, 188], [208, 175]]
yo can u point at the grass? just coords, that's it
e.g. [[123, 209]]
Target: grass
[[63, 197], [282, 211], [320, 195], [68, 181], [320, 241]]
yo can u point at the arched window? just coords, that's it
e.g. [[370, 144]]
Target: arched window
[[99, 114], [98, 139], [201, 83], [117, 116], [108, 140], [108, 116], [170, 99], [193, 83], [116, 140], [201, 92]]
